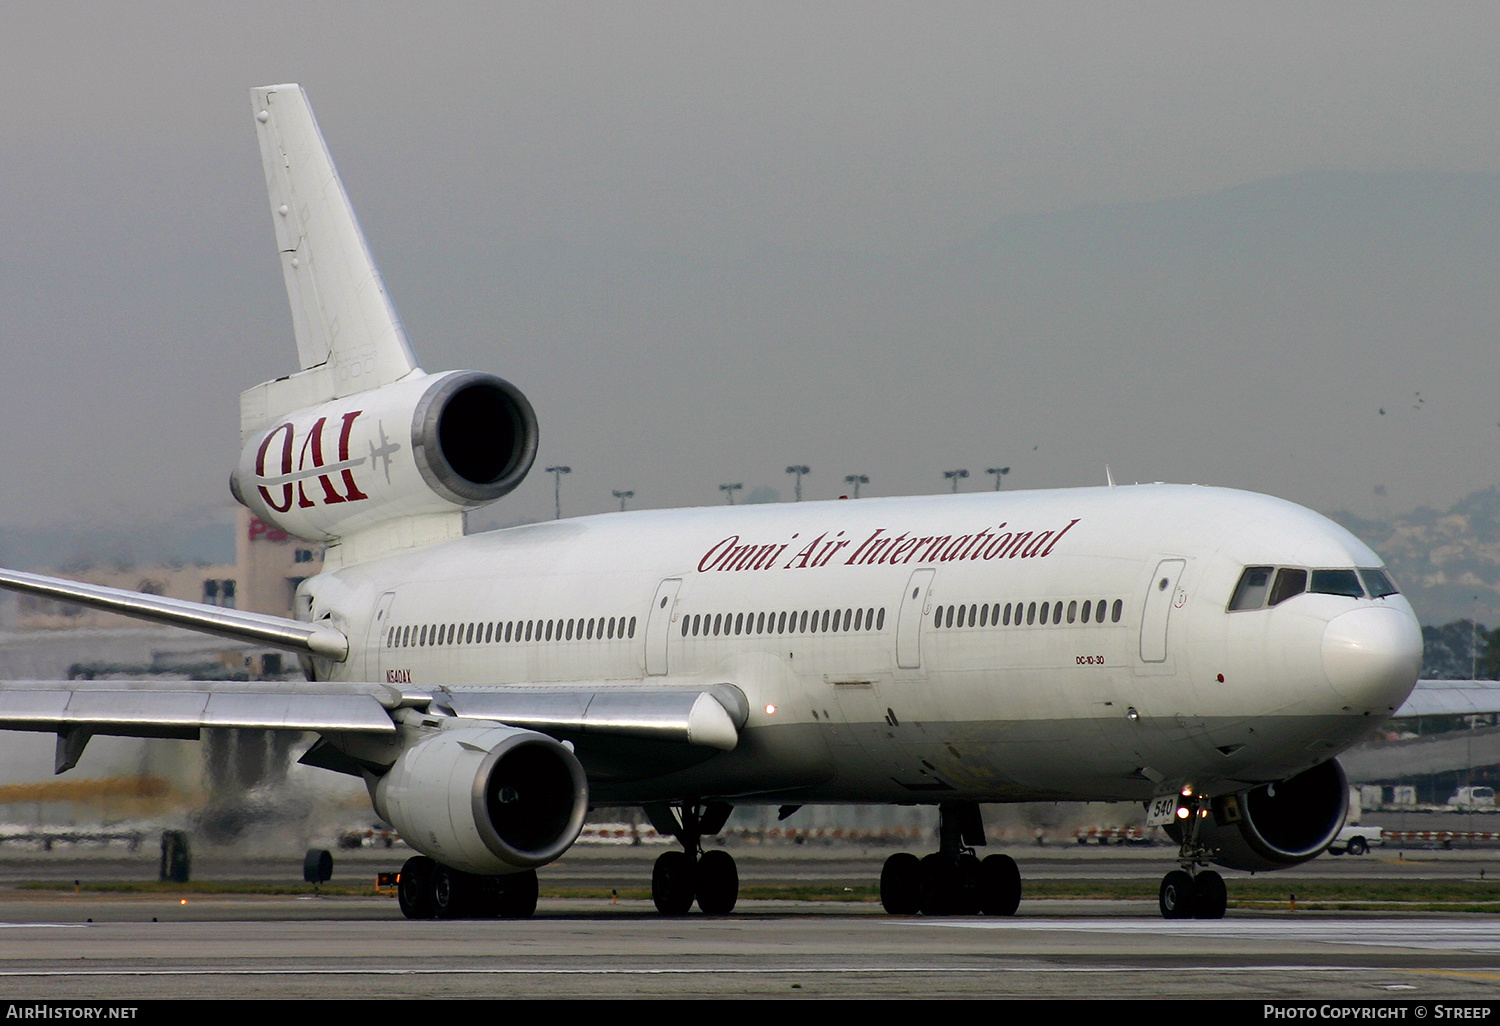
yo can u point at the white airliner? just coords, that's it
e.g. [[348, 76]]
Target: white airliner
[[1203, 651]]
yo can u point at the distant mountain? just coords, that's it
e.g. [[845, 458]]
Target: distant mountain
[[1442, 560]]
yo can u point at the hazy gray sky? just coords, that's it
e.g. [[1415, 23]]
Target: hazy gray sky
[[712, 240]]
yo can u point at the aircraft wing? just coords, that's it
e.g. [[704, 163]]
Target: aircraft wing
[[1451, 698], [317, 639], [614, 722]]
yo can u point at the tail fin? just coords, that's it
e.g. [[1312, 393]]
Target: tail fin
[[349, 336]]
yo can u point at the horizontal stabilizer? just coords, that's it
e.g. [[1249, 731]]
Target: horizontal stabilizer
[[315, 639]]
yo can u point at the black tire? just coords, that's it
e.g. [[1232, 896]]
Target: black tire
[[672, 885], [966, 893], [317, 866], [1357, 846], [516, 895], [414, 887], [999, 886], [718, 883], [1210, 896], [455, 894], [901, 884], [941, 884], [1176, 895]]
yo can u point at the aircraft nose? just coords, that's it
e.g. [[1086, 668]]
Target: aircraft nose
[[1373, 656]]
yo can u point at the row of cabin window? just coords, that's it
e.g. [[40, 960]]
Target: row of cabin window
[[805, 622], [596, 628], [1028, 612]]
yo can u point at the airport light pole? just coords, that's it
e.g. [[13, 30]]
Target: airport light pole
[[730, 489], [999, 472], [799, 469], [856, 480], [955, 476], [622, 496], [557, 472]]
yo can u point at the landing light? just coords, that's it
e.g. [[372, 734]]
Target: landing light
[[1183, 813], [770, 710]]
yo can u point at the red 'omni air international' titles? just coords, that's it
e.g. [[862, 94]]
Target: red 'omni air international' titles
[[881, 548]]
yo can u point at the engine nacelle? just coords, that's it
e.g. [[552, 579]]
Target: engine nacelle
[[426, 444], [1274, 826], [486, 800]]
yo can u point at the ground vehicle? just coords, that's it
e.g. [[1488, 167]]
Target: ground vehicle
[[1356, 839], [1478, 797]]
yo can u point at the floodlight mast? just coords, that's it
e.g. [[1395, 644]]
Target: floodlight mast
[[799, 469]]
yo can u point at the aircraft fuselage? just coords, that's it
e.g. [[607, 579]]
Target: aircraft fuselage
[[1015, 646]]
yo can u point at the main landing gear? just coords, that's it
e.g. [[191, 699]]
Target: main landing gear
[[952, 881], [1193, 892], [430, 890], [681, 876]]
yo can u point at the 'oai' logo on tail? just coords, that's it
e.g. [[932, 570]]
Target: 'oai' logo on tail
[[310, 464]]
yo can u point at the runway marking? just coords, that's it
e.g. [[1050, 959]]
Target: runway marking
[[1429, 935], [790, 970]]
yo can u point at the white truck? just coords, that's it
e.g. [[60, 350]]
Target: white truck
[[1356, 839]]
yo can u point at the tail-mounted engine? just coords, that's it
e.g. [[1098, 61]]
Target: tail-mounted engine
[[486, 800], [422, 445], [1274, 826]]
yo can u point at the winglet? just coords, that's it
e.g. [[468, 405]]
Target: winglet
[[349, 336]]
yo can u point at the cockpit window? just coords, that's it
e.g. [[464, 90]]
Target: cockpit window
[[1377, 583], [1289, 582], [1250, 593], [1336, 582]]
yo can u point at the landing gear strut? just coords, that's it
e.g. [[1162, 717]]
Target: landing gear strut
[[1193, 892], [681, 876], [952, 880]]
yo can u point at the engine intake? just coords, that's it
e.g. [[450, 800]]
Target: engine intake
[[486, 800], [474, 437]]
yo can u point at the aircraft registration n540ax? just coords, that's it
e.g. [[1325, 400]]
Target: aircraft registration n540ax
[[1205, 651]]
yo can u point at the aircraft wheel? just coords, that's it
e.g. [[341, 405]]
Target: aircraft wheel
[[414, 887], [966, 894], [672, 885], [718, 883], [940, 885], [454, 893], [901, 884], [1176, 897], [1210, 896], [516, 895], [999, 886]]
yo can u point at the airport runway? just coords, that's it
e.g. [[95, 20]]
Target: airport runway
[[148, 947], [318, 948]]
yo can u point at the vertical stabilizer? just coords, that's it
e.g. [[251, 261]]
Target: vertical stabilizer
[[349, 337]]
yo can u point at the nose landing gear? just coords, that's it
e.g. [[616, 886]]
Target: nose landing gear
[[1193, 892]]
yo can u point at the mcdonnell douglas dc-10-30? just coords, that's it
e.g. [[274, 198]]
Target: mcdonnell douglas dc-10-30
[[1202, 651]]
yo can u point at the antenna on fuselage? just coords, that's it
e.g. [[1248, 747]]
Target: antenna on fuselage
[[1109, 478]]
